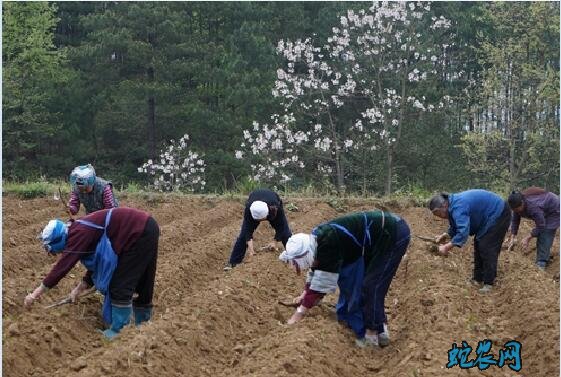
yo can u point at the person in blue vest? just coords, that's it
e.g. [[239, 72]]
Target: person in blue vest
[[481, 213], [262, 205], [119, 248], [93, 192], [360, 253]]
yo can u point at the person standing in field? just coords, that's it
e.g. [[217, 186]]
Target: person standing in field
[[93, 192], [119, 248], [474, 212], [262, 204], [359, 253], [543, 208]]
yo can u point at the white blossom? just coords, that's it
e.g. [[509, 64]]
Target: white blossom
[[169, 174]]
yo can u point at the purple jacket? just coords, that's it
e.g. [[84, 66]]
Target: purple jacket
[[543, 209]]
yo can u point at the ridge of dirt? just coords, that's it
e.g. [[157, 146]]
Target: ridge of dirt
[[211, 323]]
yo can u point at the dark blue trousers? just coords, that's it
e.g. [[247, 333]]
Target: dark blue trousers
[[544, 243], [362, 293]]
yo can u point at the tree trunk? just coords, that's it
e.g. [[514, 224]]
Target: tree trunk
[[364, 172], [151, 119], [389, 172], [340, 179], [339, 168], [392, 148]]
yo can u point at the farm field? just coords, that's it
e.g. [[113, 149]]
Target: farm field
[[208, 322]]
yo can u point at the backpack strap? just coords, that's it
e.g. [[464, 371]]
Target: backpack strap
[[92, 225], [108, 218], [348, 233], [367, 240]]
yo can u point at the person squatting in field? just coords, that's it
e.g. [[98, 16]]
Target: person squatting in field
[[261, 205], [119, 248], [359, 252], [541, 206], [93, 192], [474, 212]]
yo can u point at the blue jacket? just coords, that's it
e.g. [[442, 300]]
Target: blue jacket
[[472, 212]]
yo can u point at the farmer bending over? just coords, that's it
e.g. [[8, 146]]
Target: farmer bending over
[[260, 206], [93, 192], [119, 248], [474, 212], [360, 253], [541, 206]]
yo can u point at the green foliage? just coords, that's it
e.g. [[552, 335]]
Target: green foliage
[[519, 145], [291, 207], [78, 78], [486, 156], [416, 194], [246, 185], [133, 188], [339, 205], [28, 190], [32, 81]]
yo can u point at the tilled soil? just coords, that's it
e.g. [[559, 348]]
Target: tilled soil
[[208, 322]]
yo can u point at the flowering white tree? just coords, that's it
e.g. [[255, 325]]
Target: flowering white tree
[[390, 50], [274, 144], [353, 94], [178, 168]]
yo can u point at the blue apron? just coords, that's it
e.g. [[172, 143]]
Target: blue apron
[[102, 263]]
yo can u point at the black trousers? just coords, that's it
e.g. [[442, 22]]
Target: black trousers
[[487, 249], [136, 270]]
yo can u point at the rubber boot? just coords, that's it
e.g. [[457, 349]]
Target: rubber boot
[[141, 315], [120, 317]]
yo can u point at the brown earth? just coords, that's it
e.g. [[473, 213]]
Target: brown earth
[[211, 323]]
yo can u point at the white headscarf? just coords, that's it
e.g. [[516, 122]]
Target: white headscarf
[[300, 250], [259, 210]]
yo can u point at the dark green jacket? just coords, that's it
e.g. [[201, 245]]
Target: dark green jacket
[[336, 249]]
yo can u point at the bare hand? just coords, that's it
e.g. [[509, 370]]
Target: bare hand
[[28, 301], [76, 292], [298, 299], [440, 238], [30, 298], [444, 249], [526, 243], [296, 317], [512, 242], [250, 250]]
